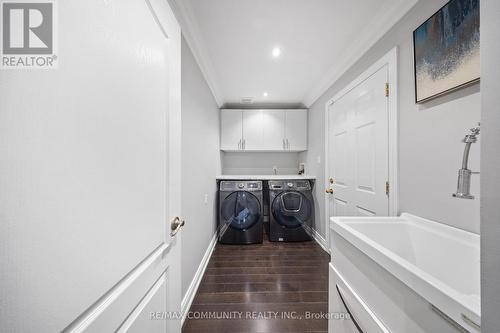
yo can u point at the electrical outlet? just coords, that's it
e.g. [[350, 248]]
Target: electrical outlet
[[206, 198], [318, 159]]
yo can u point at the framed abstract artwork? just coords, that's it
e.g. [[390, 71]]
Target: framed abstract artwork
[[446, 50]]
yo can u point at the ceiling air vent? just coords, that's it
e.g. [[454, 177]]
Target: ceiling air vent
[[246, 100]]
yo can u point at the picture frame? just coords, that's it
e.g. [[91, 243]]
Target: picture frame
[[446, 50]]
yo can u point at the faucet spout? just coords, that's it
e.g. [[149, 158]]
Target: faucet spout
[[465, 159], [464, 174]]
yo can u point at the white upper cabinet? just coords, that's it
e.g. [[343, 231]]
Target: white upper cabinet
[[263, 130], [231, 135], [273, 129], [252, 130], [296, 130]]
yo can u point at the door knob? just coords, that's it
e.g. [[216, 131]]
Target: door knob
[[175, 226], [329, 190]]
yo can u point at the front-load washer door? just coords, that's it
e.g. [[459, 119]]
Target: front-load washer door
[[291, 209], [241, 210]]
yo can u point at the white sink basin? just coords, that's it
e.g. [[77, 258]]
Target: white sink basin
[[439, 262]]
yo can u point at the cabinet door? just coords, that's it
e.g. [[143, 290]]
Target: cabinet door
[[252, 130], [296, 130], [231, 129], [273, 129]]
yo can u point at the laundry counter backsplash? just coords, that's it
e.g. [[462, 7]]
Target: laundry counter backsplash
[[260, 163], [265, 177]]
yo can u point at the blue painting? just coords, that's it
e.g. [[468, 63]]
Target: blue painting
[[446, 50]]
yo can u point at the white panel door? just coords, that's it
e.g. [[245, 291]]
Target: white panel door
[[358, 149], [231, 129], [273, 129], [296, 130], [253, 132], [89, 175]]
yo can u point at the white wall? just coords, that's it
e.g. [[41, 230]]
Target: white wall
[[430, 150], [201, 162], [260, 163], [490, 161]]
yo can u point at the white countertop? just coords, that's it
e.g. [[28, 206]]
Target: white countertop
[[263, 177]]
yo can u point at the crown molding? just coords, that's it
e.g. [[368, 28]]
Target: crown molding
[[192, 34], [370, 36]]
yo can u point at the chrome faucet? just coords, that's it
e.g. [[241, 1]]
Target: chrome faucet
[[464, 174]]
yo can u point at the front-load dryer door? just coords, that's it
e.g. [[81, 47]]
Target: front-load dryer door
[[291, 209], [241, 210]]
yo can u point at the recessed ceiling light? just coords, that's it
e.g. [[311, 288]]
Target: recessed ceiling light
[[265, 94], [276, 52]]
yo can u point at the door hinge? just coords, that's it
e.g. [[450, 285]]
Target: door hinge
[[387, 188], [387, 89]]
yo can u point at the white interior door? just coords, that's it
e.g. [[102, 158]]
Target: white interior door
[[89, 174], [296, 130], [358, 149], [231, 130]]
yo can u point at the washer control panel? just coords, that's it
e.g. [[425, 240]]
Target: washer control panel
[[297, 185]]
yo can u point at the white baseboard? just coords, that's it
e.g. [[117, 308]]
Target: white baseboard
[[187, 300], [320, 240]]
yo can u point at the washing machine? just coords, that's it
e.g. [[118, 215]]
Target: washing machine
[[291, 211], [241, 212]]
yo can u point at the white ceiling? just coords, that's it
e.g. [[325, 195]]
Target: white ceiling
[[232, 41]]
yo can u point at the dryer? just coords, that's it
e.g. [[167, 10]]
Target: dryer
[[240, 212], [291, 211]]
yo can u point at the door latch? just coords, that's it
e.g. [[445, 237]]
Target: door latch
[[175, 226]]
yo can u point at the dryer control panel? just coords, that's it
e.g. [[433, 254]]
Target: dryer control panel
[[249, 186]]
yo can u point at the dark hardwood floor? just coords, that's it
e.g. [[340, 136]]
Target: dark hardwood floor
[[269, 287]]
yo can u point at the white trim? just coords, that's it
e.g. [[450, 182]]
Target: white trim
[[391, 60], [393, 128], [326, 175], [94, 311], [157, 19], [317, 238], [188, 298], [320, 240], [372, 34], [127, 324], [191, 33]]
